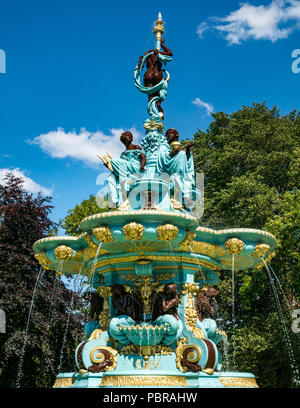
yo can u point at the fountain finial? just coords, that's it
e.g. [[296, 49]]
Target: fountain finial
[[158, 30]]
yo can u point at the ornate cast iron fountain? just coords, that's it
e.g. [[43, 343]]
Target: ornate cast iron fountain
[[152, 263]]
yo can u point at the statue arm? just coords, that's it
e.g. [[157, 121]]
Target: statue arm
[[166, 305], [143, 161], [188, 149], [167, 50]]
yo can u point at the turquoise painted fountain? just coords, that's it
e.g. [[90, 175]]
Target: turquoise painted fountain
[[152, 263]]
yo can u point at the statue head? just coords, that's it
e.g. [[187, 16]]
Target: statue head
[[126, 138], [118, 290], [172, 135], [171, 289]]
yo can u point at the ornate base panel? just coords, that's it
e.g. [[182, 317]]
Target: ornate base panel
[[162, 379]]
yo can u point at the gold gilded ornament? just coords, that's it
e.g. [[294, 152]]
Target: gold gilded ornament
[[133, 231], [238, 382], [97, 356], [270, 256], [193, 356], [43, 260], [147, 380], [63, 382], [167, 232], [95, 334], [63, 252], [185, 245], [234, 246], [104, 317], [261, 250], [190, 314], [146, 288], [103, 234]]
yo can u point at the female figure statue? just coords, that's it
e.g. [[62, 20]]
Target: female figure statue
[[165, 311], [154, 85], [178, 163], [132, 161]]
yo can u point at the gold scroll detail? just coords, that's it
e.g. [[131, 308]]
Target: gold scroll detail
[[167, 232], [63, 382], [103, 234], [193, 356], [95, 334], [164, 276], [190, 314], [238, 382], [138, 380], [63, 252], [97, 356], [104, 317], [187, 242], [133, 231], [234, 246]]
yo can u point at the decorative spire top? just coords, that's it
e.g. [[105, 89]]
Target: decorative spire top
[[158, 30]]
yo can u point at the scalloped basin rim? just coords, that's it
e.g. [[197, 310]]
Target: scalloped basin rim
[[117, 217]]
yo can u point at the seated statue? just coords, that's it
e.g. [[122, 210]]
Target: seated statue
[[178, 163], [96, 304], [132, 161], [128, 311], [206, 313], [165, 311]]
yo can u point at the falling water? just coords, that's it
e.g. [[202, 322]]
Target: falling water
[[233, 313], [295, 374], [280, 287], [68, 319], [94, 264], [20, 366], [225, 353]]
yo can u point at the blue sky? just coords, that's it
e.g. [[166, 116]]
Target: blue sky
[[68, 90]]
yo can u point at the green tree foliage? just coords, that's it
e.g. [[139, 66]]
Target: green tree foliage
[[74, 216], [251, 164], [24, 218]]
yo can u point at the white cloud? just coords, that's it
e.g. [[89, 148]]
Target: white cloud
[[271, 22], [28, 184], [83, 146], [202, 28], [208, 106]]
